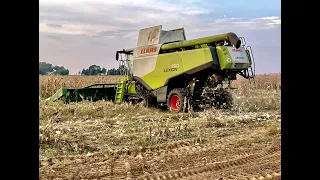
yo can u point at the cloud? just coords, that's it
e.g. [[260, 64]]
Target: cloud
[[98, 17], [231, 24], [269, 18], [263, 22], [79, 33], [95, 17], [54, 25], [77, 29]]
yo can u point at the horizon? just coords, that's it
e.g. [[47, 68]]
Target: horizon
[[76, 33], [276, 73]]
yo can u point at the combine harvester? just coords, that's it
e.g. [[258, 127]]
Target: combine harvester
[[166, 70]]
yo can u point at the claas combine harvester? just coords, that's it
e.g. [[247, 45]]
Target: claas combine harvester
[[166, 70]]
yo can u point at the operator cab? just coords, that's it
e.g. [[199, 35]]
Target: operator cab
[[125, 60]]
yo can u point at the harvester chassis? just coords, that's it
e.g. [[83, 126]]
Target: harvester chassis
[[201, 95], [143, 96], [166, 70]]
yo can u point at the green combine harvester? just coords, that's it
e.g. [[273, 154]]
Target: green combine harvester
[[166, 70]]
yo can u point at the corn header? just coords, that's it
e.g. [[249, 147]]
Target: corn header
[[166, 70]]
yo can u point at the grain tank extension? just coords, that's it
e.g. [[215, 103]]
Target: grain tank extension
[[165, 69]]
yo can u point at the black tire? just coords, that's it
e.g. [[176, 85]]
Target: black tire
[[225, 100], [142, 101], [146, 101], [175, 100], [228, 100]]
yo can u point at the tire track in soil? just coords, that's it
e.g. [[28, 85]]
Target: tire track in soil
[[104, 164], [133, 167], [247, 176], [195, 156], [210, 167], [265, 168], [119, 169], [258, 175], [132, 163], [134, 151]]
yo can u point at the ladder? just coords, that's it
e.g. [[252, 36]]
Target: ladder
[[121, 89], [250, 73]]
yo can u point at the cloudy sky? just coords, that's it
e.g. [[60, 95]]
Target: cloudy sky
[[78, 33]]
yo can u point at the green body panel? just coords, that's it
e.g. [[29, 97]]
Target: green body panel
[[224, 55], [131, 88], [172, 64], [92, 92], [114, 92], [56, 96], [226, 61], [195, 58]]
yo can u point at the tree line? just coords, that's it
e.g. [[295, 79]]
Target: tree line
[[47, 68], [97, 70]]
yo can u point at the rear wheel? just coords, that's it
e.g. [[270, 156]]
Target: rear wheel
[[175, 100], [223, 100]]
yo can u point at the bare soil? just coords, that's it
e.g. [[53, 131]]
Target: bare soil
[[150, 144]]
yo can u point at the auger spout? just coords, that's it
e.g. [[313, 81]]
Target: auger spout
[[232, 37]]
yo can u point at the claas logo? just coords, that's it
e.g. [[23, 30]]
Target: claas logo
[[148, 50], [237, 50]]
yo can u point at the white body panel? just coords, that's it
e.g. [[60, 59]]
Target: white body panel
[[149, 36], [238, 55], [149, 42], [145, 59]]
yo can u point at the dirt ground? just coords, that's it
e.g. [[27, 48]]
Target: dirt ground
[[96, 141]]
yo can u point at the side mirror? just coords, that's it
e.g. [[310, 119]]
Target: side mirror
[[117, 56]]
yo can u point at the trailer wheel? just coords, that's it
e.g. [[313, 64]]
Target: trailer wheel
[[175, 100]]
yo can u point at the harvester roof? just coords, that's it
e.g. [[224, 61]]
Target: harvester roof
[[155, 35]]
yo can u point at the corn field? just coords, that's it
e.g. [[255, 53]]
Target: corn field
[[49, 84]]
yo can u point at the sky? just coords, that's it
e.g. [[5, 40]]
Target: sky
[[79, 33]]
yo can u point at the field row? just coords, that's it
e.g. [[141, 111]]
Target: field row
[[49, 84]]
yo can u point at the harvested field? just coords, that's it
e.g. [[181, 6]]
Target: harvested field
[[100, 140]]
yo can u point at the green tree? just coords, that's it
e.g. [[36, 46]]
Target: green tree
[[117, 71], [113, 71], [85, 72], [94, 70], [61, 70], [103, 71], [45, 68]]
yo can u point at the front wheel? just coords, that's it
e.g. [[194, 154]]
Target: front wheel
[[175, 100]]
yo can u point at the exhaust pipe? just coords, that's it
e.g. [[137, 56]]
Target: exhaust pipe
[[232, 37]]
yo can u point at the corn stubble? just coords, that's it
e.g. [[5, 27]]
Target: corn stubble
[[81, 130]]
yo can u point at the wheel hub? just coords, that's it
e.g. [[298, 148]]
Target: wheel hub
[[175, 102]]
